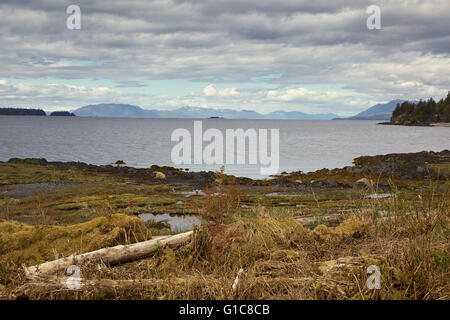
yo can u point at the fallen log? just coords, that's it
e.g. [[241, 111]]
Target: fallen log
[[111, 255], [67, 283], [55, 283], [63, 283]]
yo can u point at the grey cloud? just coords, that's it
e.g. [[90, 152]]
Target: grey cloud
[[308, 42]]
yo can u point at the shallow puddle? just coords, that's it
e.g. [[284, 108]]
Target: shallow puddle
[[177, 223], [379, 196]]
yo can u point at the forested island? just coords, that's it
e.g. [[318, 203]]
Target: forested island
[[33, 112], [21, 112], [62, 114], [424, 112]]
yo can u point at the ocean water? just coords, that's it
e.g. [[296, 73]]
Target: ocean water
[[303, 145]]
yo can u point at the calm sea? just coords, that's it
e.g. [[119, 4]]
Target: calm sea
[[304, 145]]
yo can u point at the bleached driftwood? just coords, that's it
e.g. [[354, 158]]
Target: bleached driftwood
[[111, 255], [67, 283], [235, 285], [55, 283]]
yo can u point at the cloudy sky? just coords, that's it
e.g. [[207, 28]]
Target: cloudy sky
[[311, 56]]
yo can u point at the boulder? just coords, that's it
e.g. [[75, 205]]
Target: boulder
[[420, 170], [160, 175]]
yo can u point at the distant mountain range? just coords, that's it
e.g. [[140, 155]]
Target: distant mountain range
[[131, 111], [381, 111]]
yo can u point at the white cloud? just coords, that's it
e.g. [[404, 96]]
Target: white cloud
[[267, 100], [210, 91]]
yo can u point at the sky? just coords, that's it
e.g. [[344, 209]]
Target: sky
[[292, 55]]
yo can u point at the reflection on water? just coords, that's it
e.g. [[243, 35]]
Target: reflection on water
[[379, 196], [177, 223]]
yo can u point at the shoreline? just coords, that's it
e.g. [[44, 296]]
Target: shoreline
[[377, 164], [440, 124], [435, 124]]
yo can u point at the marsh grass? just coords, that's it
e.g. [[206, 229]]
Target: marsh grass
[[406, 235]]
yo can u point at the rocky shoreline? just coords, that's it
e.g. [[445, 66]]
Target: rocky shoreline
[[383, 169], [415, 124]]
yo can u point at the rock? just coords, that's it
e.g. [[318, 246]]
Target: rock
[[317, 184], [283, 182], [363, 183], [179, 202], [420, 170], [384, 186], [332, 183], [357, 170], [160, 175]]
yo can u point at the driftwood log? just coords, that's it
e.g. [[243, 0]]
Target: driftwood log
[[67, 283], [62, 283], [54, 283], [111, 255]]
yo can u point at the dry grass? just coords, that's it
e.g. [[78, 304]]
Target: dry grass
[[406, 236]]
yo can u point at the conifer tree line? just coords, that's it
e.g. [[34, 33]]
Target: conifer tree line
[[21, 112], [423, 112], [32, 112]]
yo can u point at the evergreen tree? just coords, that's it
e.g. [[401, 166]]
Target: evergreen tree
[[423, 112]]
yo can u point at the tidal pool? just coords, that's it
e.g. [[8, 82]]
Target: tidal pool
[[177, 223]]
